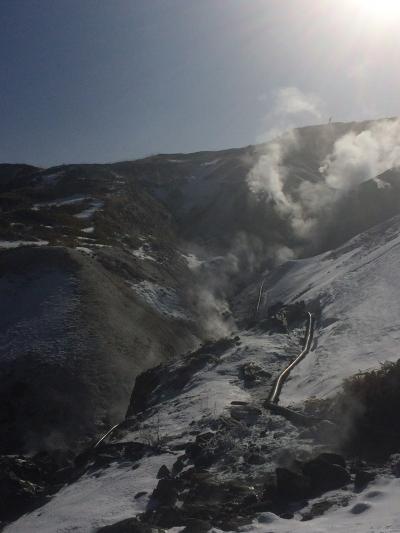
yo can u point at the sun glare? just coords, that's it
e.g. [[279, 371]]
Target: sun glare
[[379, 10]]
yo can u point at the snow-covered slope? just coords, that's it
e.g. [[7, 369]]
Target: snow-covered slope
[[358, 289], [356, 292]]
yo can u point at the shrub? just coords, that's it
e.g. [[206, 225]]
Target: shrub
[[369, 404]]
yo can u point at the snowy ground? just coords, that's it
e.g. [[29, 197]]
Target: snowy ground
[[358, 287], [358, 290]]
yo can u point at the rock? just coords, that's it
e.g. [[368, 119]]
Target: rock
[[167, 517], [130, 525], [140, 494], [193, 450], [325, 476], [360, 507], [362, 479], [253, 374], [245, 413], [195, 525], [255, 459], [292, 486], [163, 472], [166, 492], [332, 458], [326, 432], [318, 509]]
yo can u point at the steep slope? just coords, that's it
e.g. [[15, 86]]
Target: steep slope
[[202, 420], [118, 267], [357, 290]]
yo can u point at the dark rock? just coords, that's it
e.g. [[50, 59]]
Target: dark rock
[[245, 413], [332, 458], [205, 438], [130, 525], [193, 450], [195, 525], [255, 459], [362, 479], [360, 507], [318, 509], [292, 486], [163, 472], [140, 494], [325, 476], [253, 374], [166, 492], [258, 507], [205, 460], [167, 516]]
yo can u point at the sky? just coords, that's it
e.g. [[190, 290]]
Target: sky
[[109, 80]]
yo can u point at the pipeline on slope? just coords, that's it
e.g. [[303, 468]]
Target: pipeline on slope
[[274, 397], [260, 297]]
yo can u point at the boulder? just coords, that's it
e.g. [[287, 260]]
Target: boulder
[[130, 525], [166, 492], [292, 486], [325, 476]]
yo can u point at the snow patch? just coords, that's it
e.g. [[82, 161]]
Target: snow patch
[[90, 211], [7, 245], [143, 252], [164, 300]]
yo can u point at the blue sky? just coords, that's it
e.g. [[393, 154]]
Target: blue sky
[[107, 80]]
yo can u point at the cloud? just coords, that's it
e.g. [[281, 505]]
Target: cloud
[[292, 101]]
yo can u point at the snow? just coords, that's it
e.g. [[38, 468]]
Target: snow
[[7, 245], [88, 230], [90, 211], [84, 250], [211, 390], [358, 287], [193, 261], [68, 200], [210, 163], [164, 300], [372, 511], [97, 499], [143, 252], [51, 179]]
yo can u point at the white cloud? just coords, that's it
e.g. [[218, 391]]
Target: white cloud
[[292, 101]]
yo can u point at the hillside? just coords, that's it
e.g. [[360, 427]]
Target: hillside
[[167, 294]]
